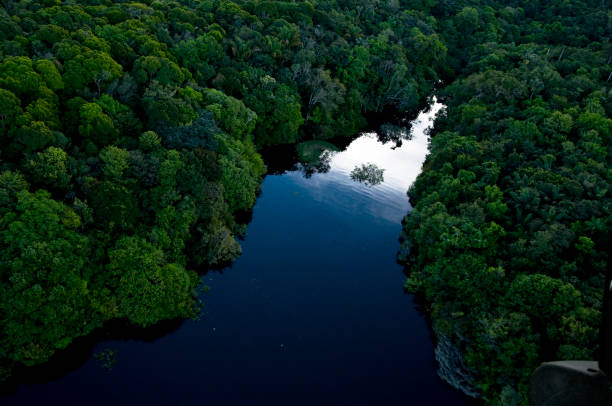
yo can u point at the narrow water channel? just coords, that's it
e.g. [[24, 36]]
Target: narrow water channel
[[313, 312]]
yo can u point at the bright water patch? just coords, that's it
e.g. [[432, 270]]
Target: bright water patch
[[401, 166]]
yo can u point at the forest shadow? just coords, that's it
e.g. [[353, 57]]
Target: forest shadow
[[81, 350]]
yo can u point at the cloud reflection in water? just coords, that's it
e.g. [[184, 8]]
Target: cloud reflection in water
[[401, 165]]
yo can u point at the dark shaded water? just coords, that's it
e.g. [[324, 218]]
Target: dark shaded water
[[312, 313]]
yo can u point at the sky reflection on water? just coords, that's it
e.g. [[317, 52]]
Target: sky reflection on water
[[401, 165]]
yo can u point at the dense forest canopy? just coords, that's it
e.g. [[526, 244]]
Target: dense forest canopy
[[509, 236], [129, 134]]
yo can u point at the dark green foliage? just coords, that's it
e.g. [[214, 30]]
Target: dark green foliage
[[509, 235]]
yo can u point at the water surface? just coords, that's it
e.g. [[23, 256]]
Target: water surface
[[313, 312]]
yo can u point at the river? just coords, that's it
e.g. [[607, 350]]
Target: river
[[313, 312]]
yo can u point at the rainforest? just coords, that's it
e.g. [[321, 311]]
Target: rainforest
[[131, 142]]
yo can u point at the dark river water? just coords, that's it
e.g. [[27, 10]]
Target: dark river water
[[312, 313]]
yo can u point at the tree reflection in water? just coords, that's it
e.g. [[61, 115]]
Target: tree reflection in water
[[368, 174], [322, 165], [389, 132]]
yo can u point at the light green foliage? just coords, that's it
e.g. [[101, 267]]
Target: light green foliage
[[543, 297], [231, 114], [166, 193], [86, 68], [123, 118], [45, 300], [199, 54], [238, 181], [149, 68], [149, 141], [50, 167], [50, 74], [17, 75], [115, 161], [95, 125], [431, 52], [149, 289], [278, 112], [467, 20], [496, 208], [173, 228], [44, 110]]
